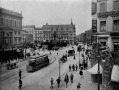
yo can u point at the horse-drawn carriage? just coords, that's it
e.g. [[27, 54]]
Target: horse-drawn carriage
[[63, 58]]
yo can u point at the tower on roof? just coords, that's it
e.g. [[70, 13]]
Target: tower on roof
[[71, 22]]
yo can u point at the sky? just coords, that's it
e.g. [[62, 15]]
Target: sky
[[40, 12]]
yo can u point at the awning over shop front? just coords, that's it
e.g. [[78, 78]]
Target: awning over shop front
[[115, 73], [94, 69]]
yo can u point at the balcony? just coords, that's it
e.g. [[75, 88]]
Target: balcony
[[106, 14]]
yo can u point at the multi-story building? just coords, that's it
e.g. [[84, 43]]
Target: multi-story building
[[65, 32], [108, 23], [10, 28], [30, 29], [39, 35], [94, 15], [26, 37], [88, 36]]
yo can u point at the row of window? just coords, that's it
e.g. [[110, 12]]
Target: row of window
[[103, 6], [10, 23], [115, 26]]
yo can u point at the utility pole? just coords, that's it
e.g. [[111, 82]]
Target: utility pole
[[98, 63]]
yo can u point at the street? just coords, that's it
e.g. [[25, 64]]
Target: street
[[40, 80]]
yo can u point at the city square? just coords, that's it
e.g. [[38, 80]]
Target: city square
[[59, 45]]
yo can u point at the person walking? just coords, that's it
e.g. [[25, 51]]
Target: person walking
[[58, 82], [81, 73], [20, 72], [76, 67], [51, 83], [73, 67], [66, 79], [71, 77], [78, 86], [20, 84], [69, 68]]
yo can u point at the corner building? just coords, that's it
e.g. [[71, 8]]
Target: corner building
[[108, 23], [10, 28], [64, 32]]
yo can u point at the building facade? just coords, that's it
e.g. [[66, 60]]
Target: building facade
[[30, 29], [10, 28], [88, 36], [108, 23], [39, 35], [65, 32], [26, 37]]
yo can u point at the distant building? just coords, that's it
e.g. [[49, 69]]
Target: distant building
[[10, 28], [30, 29], [88, 36], [26, 37], [64, 32], [39, 35]]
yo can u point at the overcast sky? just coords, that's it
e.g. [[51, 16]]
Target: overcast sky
[[40, 12]]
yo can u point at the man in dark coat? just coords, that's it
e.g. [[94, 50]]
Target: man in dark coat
[[51, 83], [20, 84], [66, 79], [58, 82], [71, 77], [20, 73]]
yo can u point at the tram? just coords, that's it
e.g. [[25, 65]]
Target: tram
[[37, 62]]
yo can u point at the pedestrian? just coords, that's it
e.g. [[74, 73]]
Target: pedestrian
[[73, 67], [74, 57], [58, 82], [66, 79], [20, 73], [51, 83], [79, 65], [69, 68], [57, 53], [20, 84], [71, 77], [76, 67], [81, 73], [78, 86]]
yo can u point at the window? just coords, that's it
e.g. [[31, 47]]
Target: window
[[1, 21], [103, 26], [11, 23], [15, 23], [18, 33], [102, 7], [116, 46], [10, 33], [15, 33], [116, 25], [6, 22], [116, 5]]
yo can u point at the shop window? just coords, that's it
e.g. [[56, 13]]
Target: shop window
[[116, 25], [103, 43], [116, 47], [103, 26]]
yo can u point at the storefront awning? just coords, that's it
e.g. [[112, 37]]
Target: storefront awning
[[115, 73], [94, 69]]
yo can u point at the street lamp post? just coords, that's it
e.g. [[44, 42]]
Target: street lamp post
[[59, 68], [98, 64]]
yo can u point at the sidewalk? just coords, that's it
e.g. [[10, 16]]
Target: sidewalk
[[86, 83]]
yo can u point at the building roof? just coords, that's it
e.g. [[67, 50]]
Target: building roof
[[38, 28], [28, 26], [58, 26], [10, 12]]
